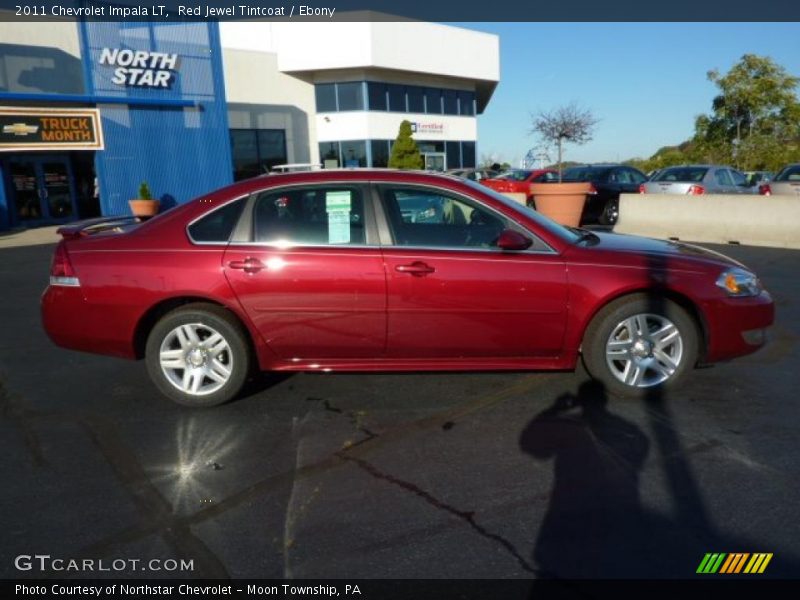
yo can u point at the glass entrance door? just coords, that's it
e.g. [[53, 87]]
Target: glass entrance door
[[435, 161], [42, 189]]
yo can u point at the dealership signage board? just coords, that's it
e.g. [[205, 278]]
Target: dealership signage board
[[428, 128], [24, 129], [140, 68]]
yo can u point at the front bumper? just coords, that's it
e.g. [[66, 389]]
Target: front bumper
[[738, 326]]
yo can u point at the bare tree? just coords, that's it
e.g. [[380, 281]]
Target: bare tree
[[570, 123]]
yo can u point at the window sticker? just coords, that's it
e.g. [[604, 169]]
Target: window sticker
[[338, 205]]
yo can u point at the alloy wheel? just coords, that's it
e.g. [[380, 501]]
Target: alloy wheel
[[196, 359], [644, 350]]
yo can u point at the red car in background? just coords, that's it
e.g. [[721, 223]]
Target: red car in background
[[518, 181], [380, 270]]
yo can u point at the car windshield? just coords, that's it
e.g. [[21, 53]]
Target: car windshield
[[682, 174], [585, 174], [515, 175], [564, 233], [789, 174]]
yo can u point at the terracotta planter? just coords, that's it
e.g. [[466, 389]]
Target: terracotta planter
[[562, 202], [144, 208]]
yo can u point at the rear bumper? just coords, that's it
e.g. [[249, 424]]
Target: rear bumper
[[71, 322], [738, 326]]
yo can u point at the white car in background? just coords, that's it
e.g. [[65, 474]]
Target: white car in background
[[697, 180], [787, 182]]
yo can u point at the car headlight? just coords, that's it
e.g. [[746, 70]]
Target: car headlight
[[740, 283]]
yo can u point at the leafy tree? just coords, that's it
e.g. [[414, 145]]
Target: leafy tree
[[570, 123], [405, 154], [755, 122]]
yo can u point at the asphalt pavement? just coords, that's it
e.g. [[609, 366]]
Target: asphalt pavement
[[471, 475]]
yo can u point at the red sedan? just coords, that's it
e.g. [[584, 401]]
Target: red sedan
[[518, 181], [365, 270]]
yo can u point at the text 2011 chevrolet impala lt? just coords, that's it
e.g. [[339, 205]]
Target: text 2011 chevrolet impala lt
[[390, 271]]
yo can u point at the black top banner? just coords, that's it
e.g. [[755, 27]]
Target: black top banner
[[392, 10]]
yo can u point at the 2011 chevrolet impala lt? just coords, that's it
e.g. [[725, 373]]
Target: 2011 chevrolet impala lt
[[379, 270]]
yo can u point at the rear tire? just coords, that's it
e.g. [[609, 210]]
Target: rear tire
[[610, 213], [198, 355], [640, 345]]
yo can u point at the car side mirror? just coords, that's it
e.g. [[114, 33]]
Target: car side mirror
[[511, 240]]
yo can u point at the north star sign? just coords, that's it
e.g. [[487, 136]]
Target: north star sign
[[140, 68]]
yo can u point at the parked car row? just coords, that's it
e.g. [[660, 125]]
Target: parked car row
[[610, 180]]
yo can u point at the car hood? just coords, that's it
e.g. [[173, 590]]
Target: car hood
[[637, 245]]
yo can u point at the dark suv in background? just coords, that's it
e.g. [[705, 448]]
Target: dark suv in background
[[609, 182]]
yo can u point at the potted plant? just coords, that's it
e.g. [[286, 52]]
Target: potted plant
[[145, 205], [563, 202]]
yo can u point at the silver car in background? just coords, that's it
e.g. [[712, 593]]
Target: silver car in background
[[696, 180], [787, 182]]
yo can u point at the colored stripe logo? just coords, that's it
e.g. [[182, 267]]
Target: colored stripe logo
[[734, 563]]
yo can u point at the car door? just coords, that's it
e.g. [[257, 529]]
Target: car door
[[309, 272], [452, 293]]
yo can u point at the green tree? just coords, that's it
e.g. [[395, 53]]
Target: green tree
[[755, 120], [566, 124], [405, 154]]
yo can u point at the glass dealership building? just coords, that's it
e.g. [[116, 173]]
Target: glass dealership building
[[90, 110]]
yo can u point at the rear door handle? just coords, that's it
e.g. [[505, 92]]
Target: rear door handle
[[417, 269], [248, 265]]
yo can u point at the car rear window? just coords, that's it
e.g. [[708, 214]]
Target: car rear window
[[585, 174], [515, 175], [217, 225], [789, 174], [682, 174]]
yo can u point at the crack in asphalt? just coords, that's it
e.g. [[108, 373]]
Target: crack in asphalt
[[175, 524], [467, 517]]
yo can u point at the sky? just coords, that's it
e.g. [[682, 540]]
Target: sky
[[646, 82]]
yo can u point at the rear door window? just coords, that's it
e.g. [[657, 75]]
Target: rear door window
[[723, 178], [317, 216]]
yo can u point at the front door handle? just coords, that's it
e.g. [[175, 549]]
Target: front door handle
[[248, 265], [417, 269]]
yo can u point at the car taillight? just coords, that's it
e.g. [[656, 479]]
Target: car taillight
[[641, 189], [61, 271], [696, 190], [764, 189]]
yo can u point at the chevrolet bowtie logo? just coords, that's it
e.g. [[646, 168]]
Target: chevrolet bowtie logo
[[20, 129]]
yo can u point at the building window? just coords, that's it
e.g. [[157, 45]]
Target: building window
[[377, 96], [397, 98], [433, 101], [326, 97], [256, 151], [416, 99], [380, 153], [350, 95], [467, 155], [354, 154], [450, 101], [466, 103], [329, 154], [453, 152]]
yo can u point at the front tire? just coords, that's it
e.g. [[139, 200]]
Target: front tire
[[639, 345], [198, 355]]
